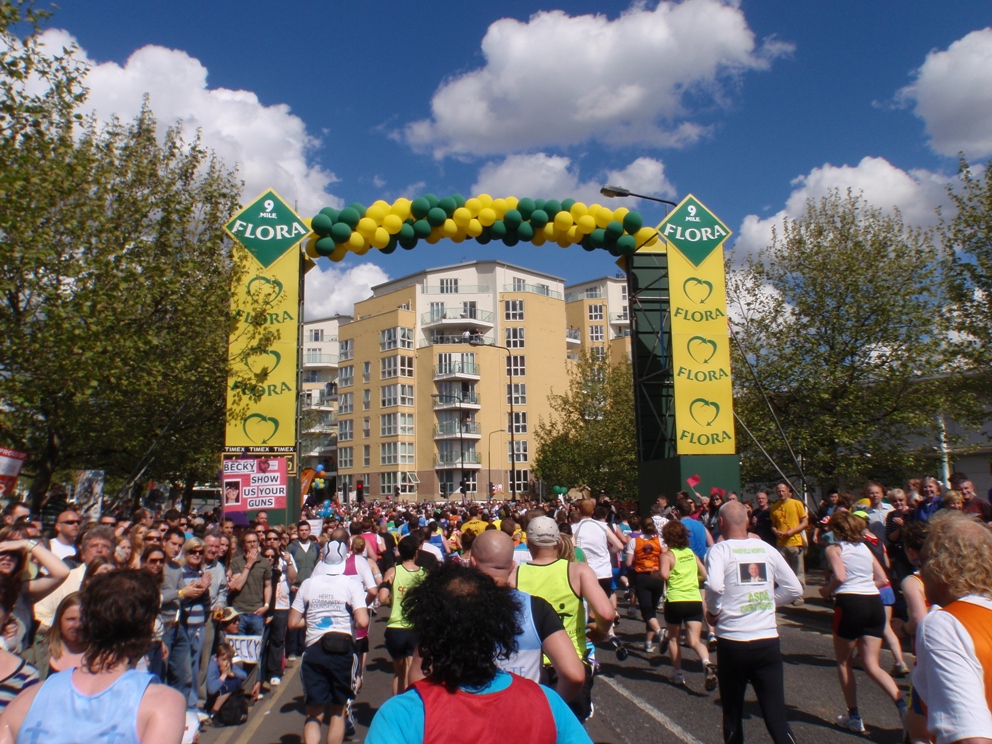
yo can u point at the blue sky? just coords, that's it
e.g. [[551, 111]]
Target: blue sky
[[751, 106]]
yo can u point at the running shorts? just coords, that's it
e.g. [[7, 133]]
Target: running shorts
[[400, 643], [858, 615], [328, 679], [606, 585], [362, 645], [677, 613]]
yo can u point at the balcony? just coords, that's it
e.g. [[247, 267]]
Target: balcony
[[320, 360], [458, 289], [573, 336], [321, 403], [589, 294], [619, 318], [440, 339], [572, 356], [538, 289], [458, 460], [457, 371], [457, 316], [456, 430], [453, 402]]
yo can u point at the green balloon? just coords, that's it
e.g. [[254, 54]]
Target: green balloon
[[448, 204], [511, 239], [587, 244], [526, 231], [484, 237], [340, 232], [422, 228], [325, 246], [552, 207], [498, 230], [408, 244], [459, 200], [598, 237], [331, 212], [539, 218], [321, 224], [431, 199], [614, 230], [390, 247], [512, 218], [539, 204], [566, 204], [358, 207], [613, 250], [436, 217], [525, 206], [632, 222], [419, 207], [626, 245], [406, 232], [350, 216]]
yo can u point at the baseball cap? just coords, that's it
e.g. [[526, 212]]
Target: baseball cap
[[860, 513], [543, 531], [334, 559]]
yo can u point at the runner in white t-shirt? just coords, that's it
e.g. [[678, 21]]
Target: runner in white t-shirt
[[600, 544]]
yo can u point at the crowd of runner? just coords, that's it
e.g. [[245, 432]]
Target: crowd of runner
[[190, 619]]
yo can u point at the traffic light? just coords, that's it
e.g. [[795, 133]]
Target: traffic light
[[444, 489], [463, 487], [360, 492]]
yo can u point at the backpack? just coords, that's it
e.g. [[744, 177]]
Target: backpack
[[234, 711]]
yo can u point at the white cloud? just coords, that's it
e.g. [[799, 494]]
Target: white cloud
[[953, 95], [543, 176], [916, 193], [269, 145], [559, 80], [334, 291]]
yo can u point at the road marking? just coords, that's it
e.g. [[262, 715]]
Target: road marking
[[657, 715], [258, 714]]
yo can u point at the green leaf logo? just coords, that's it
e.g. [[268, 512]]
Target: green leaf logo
[[263, 290], [259, 428], [701, 349], [698, 290], [704, 412], [261, 363]]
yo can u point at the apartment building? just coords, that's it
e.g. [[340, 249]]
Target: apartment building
[[598, 316], [319, 393], [427, 397]]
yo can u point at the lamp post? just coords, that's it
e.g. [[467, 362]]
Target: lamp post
[[620, 191], [489, 493], [513, 454]]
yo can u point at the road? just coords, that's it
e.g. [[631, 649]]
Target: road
[[635, 704]]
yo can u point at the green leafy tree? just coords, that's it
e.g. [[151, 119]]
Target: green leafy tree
[[841, 320], [591, 438]]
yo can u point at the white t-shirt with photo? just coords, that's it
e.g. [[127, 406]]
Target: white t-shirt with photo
[[328, 602]]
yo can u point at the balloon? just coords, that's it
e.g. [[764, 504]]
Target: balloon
[[380, 239], [392, 223], [461, 216], [320, 468], [422, 229], [539, 238], [563, 241], [563, 221], [310, 247], [321, 224], [499, 229], [449, 229], [419, 207], [511, 239], [587, 244], [487, 216], [614, 230], [401, 208], [550, 232], [340, 232], [552, 208], [325, 246], [339, 253], [473, 229], [632, 222], [604, 216], [643, 235], [512, 218], [511, 202], [331, 212], [538, 218], [619, 213], [574, 234], [436, 217], [406, 232], [367, 227], [499, 207], [431, 199], [485, 200], [459, 200], [376, 213], [408, 244], [363, 249], [597, 238], [448, 205], [586, 223], [356, 241], [566, 204], [626, 245], [526, 206], [391, 247], [525, 231], [473, 205], [358, 207], [484, 237], [350, 216], [578, 210], [539, 204], [653, 241]]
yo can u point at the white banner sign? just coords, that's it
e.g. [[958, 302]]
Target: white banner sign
[[246, 648]]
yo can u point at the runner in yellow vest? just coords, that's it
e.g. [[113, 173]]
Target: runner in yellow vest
[[401, 643]]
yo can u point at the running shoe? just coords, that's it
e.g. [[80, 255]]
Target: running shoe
[[349, 724], [650, 647], [899, 670], [616, 621], [632, 613], [275, 681], [857, 725], [710, 683], [711, 643], [678, 678], [619, 649]]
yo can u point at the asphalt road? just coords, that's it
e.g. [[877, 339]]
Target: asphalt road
[[634, 701]]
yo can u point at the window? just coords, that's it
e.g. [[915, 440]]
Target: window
[[387, 339], [346, 403], [406, 453], [517, 450], [543, 289], [516, 366], [406, 338], [366, 371], [593, 293], [522, 483], [406, 424], [437, 311], [516, 394], [366, 399], [346, 457], [366, 428], [387, 425], [513, 309], [396, 366], [519, 285], [346, 349], [449, 286], [346, 376], [623, 292], [311, 375], [346, 430], [315, 335], [366, 455], [595, 333], [388, 396], [406, 395], [406, 366], [598, 353], [514, 338], [517, 422], [388, 453], [595, 312], [387, 484]]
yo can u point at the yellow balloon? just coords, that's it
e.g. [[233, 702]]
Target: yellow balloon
[[381, 238], [550, 232], [586, 223], [355, 242], [401, 208], [563, 221], [459, 236], [539, 238], [512, 202], [435, 236], [473, 229], [381, 203], [473, 205], [363, 250], [339, 253], [310, 247], [307, 221], [376, 212], [487, 216], [652, 242], [392, 223], [642, 236], [563, 241], [449, 229], [604, 216], [461, 216], [578, 210], [485, 200], [499, 207], [574, 234], [367, 227], [620, 213]]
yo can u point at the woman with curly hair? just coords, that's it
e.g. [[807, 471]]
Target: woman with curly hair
[[463, 622]]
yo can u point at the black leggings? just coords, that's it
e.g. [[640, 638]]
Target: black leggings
[[649, 593], [760, 663]]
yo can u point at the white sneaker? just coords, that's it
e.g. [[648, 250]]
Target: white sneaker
[[678, 678], [650, 647], [857, 725], [275, 681]]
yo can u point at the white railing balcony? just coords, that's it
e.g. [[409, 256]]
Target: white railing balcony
[[440, 339], [573, 335], [465, 400], [538, 289], [448, 460], [320, 360], [457, 430], [619, 318], [452, 370]]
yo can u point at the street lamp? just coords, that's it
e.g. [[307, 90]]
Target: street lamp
[[619, 191], [489, 494], [478, 341]]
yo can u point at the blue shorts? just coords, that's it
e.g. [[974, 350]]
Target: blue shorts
[[328, 679]]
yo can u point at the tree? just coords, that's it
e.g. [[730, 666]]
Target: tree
[[115, 279], [591, 437], [840, 319]]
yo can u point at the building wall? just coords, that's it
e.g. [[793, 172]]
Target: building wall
[[318, 389]]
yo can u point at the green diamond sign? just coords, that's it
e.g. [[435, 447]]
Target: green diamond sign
[[694, 230], [267, 228]]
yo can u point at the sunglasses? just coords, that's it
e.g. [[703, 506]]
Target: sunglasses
[[13, 556], [155, 560], [70, 521], [153, 539], [197, 551]]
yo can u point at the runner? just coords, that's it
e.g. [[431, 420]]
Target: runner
[[400, 640], [644, 559], [600, 545]]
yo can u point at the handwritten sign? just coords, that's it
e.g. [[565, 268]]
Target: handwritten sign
[[246, 648]]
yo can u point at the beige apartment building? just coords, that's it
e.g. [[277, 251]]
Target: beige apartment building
[[319, 392], [598, 314]]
